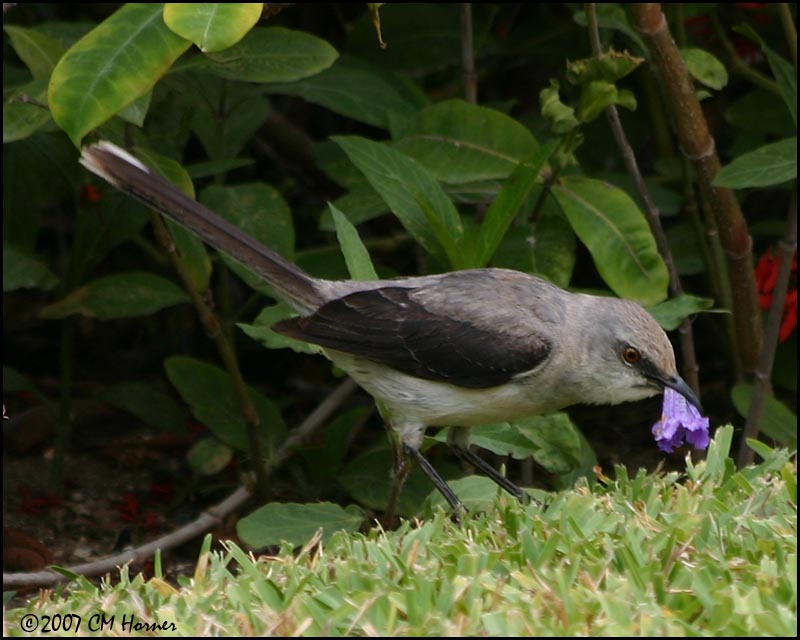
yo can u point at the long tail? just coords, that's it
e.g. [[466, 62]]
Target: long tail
[[131, 176]]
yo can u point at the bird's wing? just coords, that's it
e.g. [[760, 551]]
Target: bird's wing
[[394, 326]]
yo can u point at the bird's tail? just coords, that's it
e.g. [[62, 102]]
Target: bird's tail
[[131, 176]]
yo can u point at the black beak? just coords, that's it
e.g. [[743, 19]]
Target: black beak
[[679, 384]]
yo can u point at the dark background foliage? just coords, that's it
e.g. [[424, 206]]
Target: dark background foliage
[[110, 399]]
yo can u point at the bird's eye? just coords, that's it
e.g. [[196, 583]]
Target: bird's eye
[[631, 355]]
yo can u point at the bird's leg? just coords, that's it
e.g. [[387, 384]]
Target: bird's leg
[[457, 439], [401, 469], [437, 480]]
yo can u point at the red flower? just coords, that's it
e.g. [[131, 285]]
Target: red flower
[[90, 193], [766, 275]]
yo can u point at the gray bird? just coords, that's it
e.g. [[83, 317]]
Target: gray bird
[[456, 349]]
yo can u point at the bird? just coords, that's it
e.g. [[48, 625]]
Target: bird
[[456, 349]]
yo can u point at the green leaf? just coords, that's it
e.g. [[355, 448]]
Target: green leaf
[[560, 447], [777, 420], [598, 95], [123, 295], [413, 195], [617, 235], [212, 26], [507, 204], [190, 248], [227, 114], [148, 404], [705, 68], [609, 67], [355, 89], [210, 393], [37, 50], [261, 212], [553, 246], [136, 111], [24, 111], [110, 67], [296, 523], [209, 456], [355, 253], [261, 330], [460, 142], [367, 479], [477, 493], [786, 76], [22, 269], [768, 165], [672, 312], [271, 54], [100, 227], [561, 117], [502, 439]]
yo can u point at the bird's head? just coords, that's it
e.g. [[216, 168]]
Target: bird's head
[[630, 354]]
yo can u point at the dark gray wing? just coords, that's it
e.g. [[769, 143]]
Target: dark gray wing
[[387, 325]]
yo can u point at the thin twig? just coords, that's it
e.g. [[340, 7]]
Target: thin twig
[[761, 387], [211, 517], [652, 213], [213, 330]]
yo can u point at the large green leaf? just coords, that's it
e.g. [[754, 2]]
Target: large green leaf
[[261, 212], [150, 405], [616, 233], [367, 479], [508, 202], [39, 51], [212, 26], [296, 523], [460, 142], [123, 295], [111, 66], [272, 54], [357, 90], [210, 393], [413, 195], [24, 112], [768, 165], [23, 269]]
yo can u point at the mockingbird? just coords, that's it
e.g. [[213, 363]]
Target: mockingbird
[[455, 349]]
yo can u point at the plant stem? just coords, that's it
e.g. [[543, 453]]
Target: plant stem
[[213, 329], [787, 248], [698, 146], [690, 366]]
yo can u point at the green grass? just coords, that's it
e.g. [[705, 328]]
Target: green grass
[[711, 552]]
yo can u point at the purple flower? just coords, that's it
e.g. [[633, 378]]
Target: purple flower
[[679, 421]]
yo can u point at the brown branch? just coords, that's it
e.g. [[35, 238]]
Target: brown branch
[[690, 367], [211, 517], [697, 145]]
